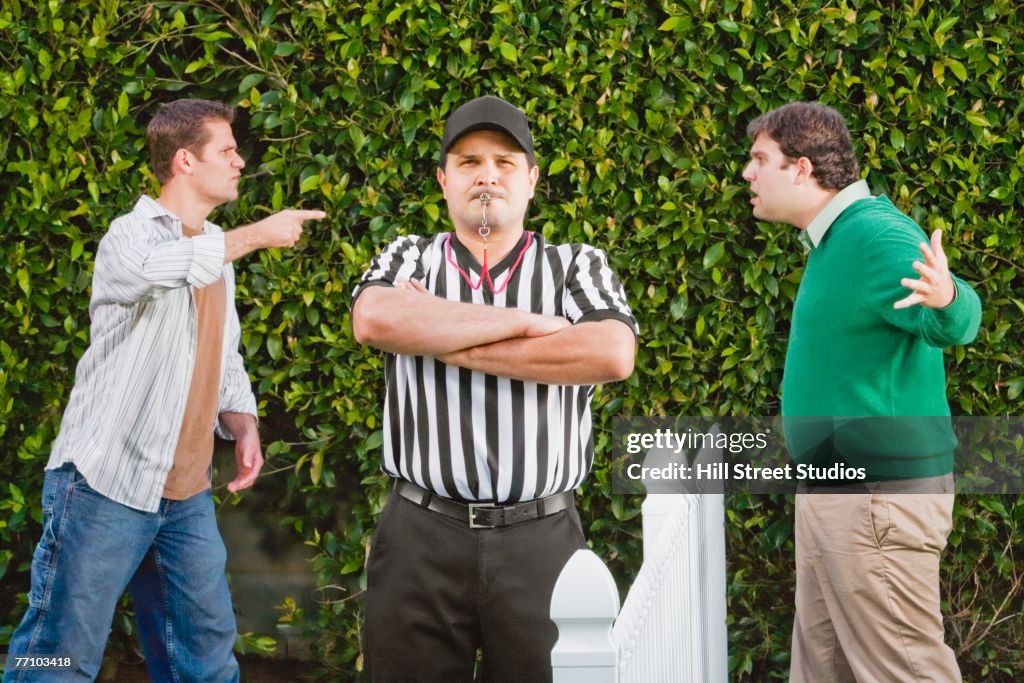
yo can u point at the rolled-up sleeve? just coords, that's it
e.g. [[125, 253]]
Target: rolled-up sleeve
[[138, 262]]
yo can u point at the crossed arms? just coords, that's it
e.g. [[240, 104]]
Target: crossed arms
[[508, 342]]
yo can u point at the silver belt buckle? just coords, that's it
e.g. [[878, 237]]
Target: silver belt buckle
[[473, 507]]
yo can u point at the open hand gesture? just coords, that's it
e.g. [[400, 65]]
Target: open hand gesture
[[935, 288]]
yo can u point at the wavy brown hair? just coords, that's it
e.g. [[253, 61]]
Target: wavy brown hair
[[812, 130], [180, 125]]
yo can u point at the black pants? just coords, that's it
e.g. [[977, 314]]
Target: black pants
[[438, 590]]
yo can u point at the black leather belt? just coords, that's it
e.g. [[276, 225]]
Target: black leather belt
[[485, 515]]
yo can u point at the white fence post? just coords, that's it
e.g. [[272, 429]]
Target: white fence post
[[711, 529], [655, 511], [672, 627], [584, 604], [716, 648]]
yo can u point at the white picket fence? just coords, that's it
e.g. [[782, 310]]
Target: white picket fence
[[671, 628]]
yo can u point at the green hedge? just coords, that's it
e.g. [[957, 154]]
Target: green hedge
[[639, 112]]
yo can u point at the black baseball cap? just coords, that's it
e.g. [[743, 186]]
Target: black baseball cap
[[487, 113]]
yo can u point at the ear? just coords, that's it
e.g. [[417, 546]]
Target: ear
[[534, 175], [442, 180], [804, 170], [181, 162]]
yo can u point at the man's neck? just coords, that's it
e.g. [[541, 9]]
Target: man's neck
[[804, 218], [191, 209], [499, 243]]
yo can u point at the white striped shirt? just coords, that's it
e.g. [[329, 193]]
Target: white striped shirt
[[124, 415], [472, 436]]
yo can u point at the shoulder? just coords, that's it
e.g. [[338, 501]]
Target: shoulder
[[143, 220], [874, 219], [881, 238], [567, 250], [212, 228], [407, 251], [415, 243]]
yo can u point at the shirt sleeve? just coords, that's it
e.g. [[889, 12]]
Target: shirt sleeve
[[137, 261], [888, 259], [400, 260], [236, 394], [593, 292]]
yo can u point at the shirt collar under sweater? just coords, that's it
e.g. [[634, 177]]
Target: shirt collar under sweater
[[841, 202]]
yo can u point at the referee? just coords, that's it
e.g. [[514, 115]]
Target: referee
[[494, 340]]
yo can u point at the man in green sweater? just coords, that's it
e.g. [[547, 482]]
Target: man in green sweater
[[863, 387]]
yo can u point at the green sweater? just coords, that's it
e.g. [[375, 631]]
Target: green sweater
[[852, 355]]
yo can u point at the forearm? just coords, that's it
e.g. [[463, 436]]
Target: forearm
[[909, 284], [241, 241], [407, 322], [281, 229], [941, 327], [958, 322], [586, 353], [236, 393], [239, 424]]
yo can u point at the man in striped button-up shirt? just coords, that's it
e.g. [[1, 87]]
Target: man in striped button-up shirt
[[494, 339], [126, 495]]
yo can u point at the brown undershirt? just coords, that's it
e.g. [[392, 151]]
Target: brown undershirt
[[194, 454]]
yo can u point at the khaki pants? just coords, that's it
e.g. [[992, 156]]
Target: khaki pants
[[867, 586]]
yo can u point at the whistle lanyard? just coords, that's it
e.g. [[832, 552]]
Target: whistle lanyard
[[485, 274]]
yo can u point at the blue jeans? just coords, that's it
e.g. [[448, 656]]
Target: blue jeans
[[171, 560]]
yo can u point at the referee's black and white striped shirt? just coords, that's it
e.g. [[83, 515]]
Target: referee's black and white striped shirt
[[472, 436], [123, 419]]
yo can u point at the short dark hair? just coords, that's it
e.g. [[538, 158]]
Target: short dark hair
[[180, 125], [812, 130]]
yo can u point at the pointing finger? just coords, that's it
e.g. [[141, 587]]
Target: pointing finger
[[308, 214]]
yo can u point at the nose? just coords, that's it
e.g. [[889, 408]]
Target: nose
[[239, 162], [748, 172], [488, 174]]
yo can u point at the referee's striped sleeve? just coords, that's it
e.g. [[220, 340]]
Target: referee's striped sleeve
[[136, 262], [593, 292], [400, 260]]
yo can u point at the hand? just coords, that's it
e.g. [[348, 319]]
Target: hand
[[542, 325], [537, 325], [411, 286], [283, 228], [935, 288], [454, 358], [248, 460]]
